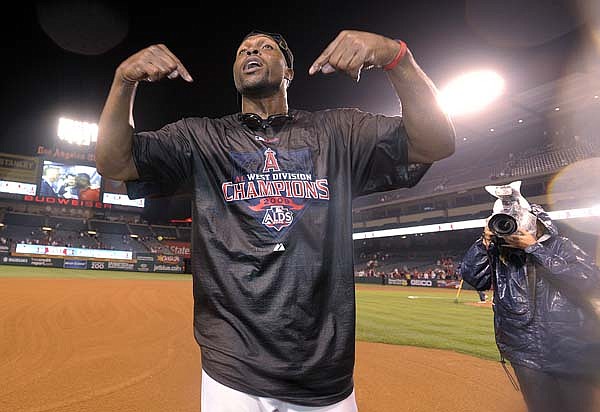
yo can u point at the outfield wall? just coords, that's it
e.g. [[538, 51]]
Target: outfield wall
[[141, 263], [429, 283]]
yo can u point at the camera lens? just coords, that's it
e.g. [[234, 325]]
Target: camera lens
[[503, 225]]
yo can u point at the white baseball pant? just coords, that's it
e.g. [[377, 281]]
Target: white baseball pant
[[216, 397]]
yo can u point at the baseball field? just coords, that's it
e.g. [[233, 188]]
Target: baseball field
[[105, 341]]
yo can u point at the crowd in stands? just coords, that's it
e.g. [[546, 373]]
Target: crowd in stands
[[84, 233], [546, 158], [471, 166], [154, 245], [381, 264]]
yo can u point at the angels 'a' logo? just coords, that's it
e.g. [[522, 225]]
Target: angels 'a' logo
[[278, 217], [271, 164]]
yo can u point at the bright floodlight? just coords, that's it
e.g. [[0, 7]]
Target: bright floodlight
[[79, 133], [471, 92]]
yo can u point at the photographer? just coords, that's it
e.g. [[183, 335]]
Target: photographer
[[545, 312]]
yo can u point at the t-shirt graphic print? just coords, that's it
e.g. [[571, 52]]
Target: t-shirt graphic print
[[275, 186]]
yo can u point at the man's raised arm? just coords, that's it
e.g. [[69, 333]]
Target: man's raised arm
[[115, 130], [430, 131]]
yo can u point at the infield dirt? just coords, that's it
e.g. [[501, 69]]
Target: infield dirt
[[127, 345]]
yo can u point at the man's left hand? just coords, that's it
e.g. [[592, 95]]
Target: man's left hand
[[520, 239], [353, 51]]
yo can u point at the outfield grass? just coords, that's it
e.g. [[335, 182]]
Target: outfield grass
[[384, 313], [432, 319]]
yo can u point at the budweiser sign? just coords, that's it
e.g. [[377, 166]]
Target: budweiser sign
[[66, 202]]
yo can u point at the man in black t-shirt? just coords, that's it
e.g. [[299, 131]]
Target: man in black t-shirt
[[272, 191]]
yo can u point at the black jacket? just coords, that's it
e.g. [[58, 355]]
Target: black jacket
[[545, 302]]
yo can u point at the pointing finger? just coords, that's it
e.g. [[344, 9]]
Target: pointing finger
[[181, 70], [323, 58]]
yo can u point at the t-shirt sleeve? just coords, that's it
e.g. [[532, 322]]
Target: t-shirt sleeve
[[378, 148], [163, 159]]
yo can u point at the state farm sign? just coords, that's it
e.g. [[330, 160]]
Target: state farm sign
[[182, 249]]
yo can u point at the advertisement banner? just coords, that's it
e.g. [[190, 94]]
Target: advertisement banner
[[46, 262], [169, 268], [51, 200], [120, 266], [179, 248], [47, 250], [17, 188], [423, 282], [96, 265], [168, 259], [75, 264], [398, 282], [15, 260], [141, 257], [16, 168], [144, 267], [373, 280]]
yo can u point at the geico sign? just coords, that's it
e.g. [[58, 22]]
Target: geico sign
[[420, 282], [170, 259]]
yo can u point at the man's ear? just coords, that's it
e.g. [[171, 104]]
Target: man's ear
[[289, 75]]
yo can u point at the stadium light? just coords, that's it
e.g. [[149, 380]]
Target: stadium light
[[471, 92], [133, 236], [79, 133], [91, 232]]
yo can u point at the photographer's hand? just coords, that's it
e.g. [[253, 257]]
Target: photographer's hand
[[487, 237], [520, 240]]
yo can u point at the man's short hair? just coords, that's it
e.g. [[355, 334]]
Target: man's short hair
[[278, 38], [51, 169]]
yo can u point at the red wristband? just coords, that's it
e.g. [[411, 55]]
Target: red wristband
[[398, 57]]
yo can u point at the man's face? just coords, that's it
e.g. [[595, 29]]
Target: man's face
[[82, 182], [260, 68], [52, 174]]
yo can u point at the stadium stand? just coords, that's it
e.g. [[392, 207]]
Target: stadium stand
[[452, 190], [67, 224], [167, 232], [141, 230], [153, 245], [184, 234], [23, 219], [77, 232]]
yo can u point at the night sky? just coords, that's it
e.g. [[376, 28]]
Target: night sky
[[60, 57]]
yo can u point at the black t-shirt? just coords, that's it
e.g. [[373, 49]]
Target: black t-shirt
[[272, 256]]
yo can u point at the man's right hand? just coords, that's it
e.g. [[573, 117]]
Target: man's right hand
[[152, 64], [114, 158]]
